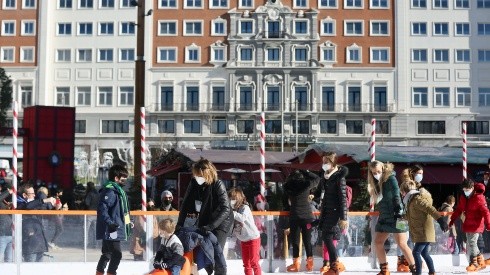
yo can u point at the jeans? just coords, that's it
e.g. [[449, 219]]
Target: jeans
[[422, 249], [175, 269], [6, 249], [111, 253], [33, 257], [251, 257]]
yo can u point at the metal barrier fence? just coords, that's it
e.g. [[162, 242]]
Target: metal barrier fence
[[76, 240]]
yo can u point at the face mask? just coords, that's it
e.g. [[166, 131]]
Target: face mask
[[326, 166], [377, 176], [485, 182], [233, 203], [166, 202], [29, 200], [467, 193], [260, 206], [200, 180], [418, 177]]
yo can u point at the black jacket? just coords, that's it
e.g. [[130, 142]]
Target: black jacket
[[33, 237], [216, 210], [333, 205], [297, 189], [5, 220]]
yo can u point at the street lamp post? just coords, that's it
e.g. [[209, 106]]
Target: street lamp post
[[139, 85]]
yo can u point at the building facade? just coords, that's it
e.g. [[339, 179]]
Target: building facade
[[320, 70]]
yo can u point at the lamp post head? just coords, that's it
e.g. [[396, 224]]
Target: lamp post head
[[134, 3]]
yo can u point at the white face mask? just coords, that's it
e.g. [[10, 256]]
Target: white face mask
[[200, 180], [233, 203], [485, 182], [418, 177], [467, 193], [326, 166], [29, 200], [377, 176]]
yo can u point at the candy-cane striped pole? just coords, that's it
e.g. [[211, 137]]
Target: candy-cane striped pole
[[372, 144], [14, 166], [464, 152], [14, 152], [262, 154], [143, 159]]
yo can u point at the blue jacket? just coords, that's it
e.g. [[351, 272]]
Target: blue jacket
[[110, 211], [208, 245]]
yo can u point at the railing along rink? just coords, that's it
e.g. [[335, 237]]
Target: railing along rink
[[79, 252]]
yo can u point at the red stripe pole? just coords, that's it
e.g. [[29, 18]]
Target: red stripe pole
[[143, 159], [464, 152], [262, 154], [14, 166], [372, 144]]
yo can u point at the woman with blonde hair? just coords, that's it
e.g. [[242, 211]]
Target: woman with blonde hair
[[385, 196]]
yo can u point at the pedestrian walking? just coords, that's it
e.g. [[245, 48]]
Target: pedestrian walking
[[113, 220]]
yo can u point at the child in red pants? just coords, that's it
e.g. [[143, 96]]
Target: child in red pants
[[246, 231]]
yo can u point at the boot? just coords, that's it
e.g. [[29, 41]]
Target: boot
[[325, 267], [481, 261], [295, 266], [111, 273], [333, 270], [309, 264], [340, 266], [412, 269], [384, 269], [99, 273], [473, 266], [402, 264]]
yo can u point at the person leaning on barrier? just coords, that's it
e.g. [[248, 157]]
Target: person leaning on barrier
[[6, 224], [34, 243]]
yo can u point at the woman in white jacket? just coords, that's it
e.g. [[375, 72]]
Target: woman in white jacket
[[246, 231]]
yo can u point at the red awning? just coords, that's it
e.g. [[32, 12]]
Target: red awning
[[164, 169]]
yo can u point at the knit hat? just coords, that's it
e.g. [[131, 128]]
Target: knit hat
[[166, 193]]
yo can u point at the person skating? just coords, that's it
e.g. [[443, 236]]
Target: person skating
[[477, 217]]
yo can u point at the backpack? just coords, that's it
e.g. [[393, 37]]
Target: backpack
[[348, 194]]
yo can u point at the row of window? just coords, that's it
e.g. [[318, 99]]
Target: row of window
[[247, 27], [444, 4], [326, 126], [443, 55], [244, 4], [87, 28], [68, 4], [83, 96], [442, 97], [442, 29], [27, 54]]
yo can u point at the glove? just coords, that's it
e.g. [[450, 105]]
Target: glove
[[343, 224], [112, 227], [177, 228], [398, 215], [442, 224], [157, 265], [204, 230]]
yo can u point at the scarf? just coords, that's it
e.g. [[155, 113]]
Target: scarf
[[124, 203]]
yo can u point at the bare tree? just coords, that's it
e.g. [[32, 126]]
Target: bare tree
[[5, 96]]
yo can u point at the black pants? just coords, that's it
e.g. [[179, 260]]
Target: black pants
[[296, 227], [328, 238], [111, 253]]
